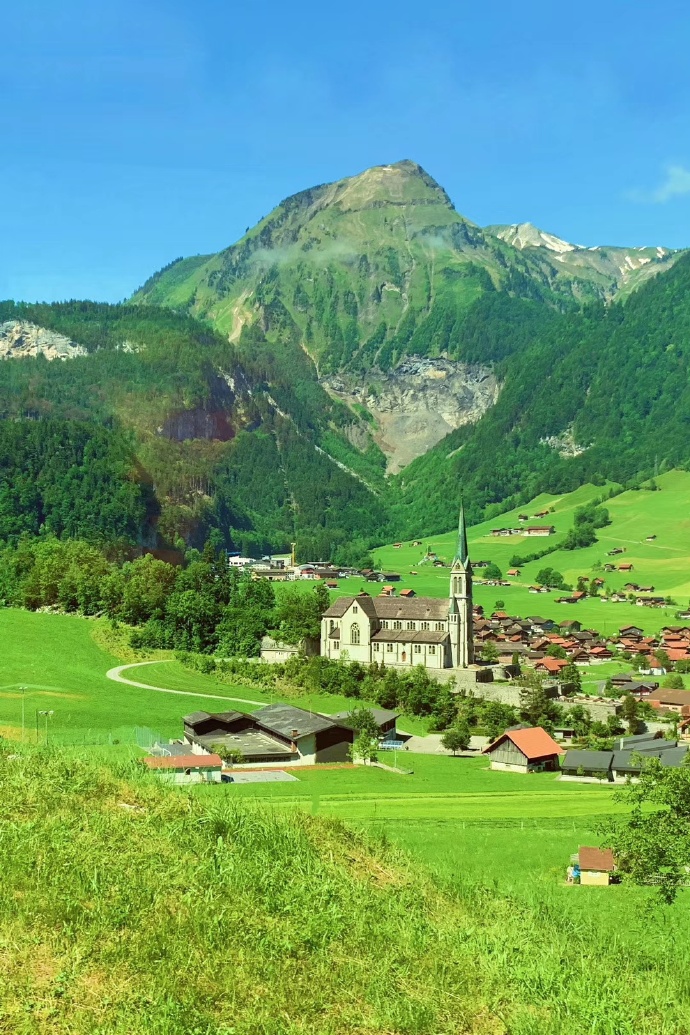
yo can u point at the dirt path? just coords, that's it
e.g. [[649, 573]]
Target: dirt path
[[116, 675]]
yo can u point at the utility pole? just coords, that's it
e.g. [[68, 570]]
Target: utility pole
[[22, 690]]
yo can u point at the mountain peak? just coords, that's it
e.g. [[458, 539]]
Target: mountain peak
[[527, 235]]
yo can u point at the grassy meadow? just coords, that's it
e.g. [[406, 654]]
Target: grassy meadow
[[663, 563], [353, 900]]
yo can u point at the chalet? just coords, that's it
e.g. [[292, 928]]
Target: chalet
[[538, 530], [670, 700], [387, 591], [539, 589], [542, 513], [513, 572], [529, 750], [630, 632], [650, 539], [552, 666], [616, 551], [596, 865], [627, 566], [407, 593], [523, 517], [570, 625]]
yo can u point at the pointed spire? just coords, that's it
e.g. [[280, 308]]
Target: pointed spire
[[462, 553]]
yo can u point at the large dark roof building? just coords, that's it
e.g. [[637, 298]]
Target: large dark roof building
[[277, 733]]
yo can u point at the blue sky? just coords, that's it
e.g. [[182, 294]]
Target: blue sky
[[135, 132]]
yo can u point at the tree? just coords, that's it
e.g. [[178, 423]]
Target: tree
[[492, 571], [457, 738], [489, 652], [556, 651], [365, 747], [496, 717], [536, 707], [673, 681], [571, 674], [630, 712], [444, 711], [653, 842], [298, 613], [550, 577], [499, 605], [362, 721]]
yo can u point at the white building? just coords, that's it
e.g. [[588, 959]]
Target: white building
[[425, 631]]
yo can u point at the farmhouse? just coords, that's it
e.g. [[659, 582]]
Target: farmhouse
[[529, 750], [277, 733], [538, 530], [670, 700], [406, 631]]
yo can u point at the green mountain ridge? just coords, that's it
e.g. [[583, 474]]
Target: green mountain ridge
[[366, 270], [362, 327]]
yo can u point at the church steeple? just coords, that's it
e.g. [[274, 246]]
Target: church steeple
[[462, 554], [460, 624]]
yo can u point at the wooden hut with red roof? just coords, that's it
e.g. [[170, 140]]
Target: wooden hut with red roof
[[524, 750]]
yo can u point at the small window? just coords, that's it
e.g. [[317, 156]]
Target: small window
[[440, 626], [384, 625], [332, 625], [432, 648], [426, 625], [411, 625], [377, 646], [397, 625], [389, 647], [418, 648], [355, 609]]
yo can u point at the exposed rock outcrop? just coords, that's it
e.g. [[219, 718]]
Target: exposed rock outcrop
[[419, 402], [19, 338]]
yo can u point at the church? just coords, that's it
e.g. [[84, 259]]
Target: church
[[425, 631]]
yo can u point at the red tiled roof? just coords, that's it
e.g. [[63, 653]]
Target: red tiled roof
[[184, 762], [534, 743], [596, 859]]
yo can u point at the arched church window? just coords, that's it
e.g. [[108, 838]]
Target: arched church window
[[354, 633]]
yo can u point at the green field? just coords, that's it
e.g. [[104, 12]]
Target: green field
[[664, 563], [498, 844]]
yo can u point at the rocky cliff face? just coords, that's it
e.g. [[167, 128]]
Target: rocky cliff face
[[418, 403], [19, 338]]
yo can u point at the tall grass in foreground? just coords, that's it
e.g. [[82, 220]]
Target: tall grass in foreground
[[129, 908]]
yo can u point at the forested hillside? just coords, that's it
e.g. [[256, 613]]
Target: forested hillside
[[163, 431], [596, 394], [234, 407]]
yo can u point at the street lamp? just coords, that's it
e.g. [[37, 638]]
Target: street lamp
[[47, 715]]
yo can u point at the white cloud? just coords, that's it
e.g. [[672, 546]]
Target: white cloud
[[676, 184]]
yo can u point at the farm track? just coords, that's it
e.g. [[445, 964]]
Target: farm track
[[116, 675]]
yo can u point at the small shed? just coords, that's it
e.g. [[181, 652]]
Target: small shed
[[529, 750], [597, 865]]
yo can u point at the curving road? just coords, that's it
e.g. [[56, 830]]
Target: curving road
[[116, 675]]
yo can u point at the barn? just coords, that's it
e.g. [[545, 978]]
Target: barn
[[529, 750]]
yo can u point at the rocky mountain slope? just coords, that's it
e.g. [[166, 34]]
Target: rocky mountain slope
[[378, 273], [19, 338], [613, 271], [416, 405]]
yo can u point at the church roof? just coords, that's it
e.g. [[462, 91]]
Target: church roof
[[409, 636], [433, 609]]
